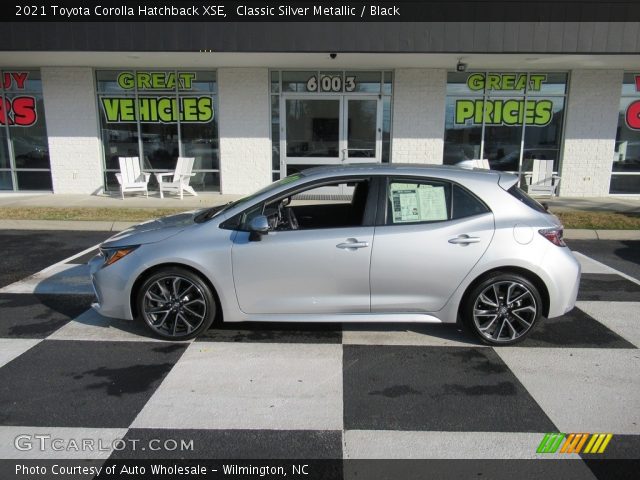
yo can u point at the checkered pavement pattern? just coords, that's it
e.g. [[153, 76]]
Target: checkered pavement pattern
[[315, 391]]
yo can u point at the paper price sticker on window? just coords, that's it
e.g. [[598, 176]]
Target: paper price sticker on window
[[418, 203]]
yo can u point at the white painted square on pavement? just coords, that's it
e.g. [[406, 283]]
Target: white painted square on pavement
[[59, 279], [581, 389], [621, 317], [272, 386], [93, 326], [11, 348]]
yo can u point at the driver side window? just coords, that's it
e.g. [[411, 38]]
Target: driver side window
[[338, 204]]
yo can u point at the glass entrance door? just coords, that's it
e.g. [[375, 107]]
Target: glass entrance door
[[362, 134], [329, 130]]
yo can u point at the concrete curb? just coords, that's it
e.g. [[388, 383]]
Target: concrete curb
[[109, 226], [77, 225]]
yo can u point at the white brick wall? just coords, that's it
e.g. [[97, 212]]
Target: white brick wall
[[590, 132], [72, 127], [418, 115], [244, 119]]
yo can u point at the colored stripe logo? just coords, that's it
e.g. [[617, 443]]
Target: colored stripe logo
[[574, 442]]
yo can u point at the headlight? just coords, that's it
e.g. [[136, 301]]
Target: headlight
[[112, 255]]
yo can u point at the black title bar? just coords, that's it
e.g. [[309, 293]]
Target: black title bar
[[321, 11]]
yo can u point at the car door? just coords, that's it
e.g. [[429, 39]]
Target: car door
[[311, 270], [423, 249]]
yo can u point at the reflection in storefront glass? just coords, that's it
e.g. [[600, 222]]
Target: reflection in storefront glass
[[145, 108], [159, 145], [361, 128], [461, 140], [482, 122], [502, 133], [312, 128], [23, 117], [625, 168]]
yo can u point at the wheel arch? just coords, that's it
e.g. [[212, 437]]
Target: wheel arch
[[151, 270], [528, 274]]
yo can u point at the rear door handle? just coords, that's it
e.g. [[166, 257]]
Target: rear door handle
[[464, 239], [352, 244]]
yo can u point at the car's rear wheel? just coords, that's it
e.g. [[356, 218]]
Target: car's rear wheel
[[502, 309], [176, 304]]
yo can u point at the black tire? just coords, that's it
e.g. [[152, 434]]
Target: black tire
[[172, 316], [498, 310]]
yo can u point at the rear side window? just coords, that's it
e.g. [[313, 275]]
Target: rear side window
[[418, 201], [465, 204], [526, 199]]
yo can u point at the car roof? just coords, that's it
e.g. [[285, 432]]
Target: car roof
[[419, 169]]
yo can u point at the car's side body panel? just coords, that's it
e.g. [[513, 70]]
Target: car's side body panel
[[303, 271], [415, 268]]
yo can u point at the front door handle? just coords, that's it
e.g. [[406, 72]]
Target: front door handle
[[352, 244], [464, 239]]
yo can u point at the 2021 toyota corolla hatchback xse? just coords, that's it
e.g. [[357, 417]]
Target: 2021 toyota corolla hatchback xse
[[394, 243]]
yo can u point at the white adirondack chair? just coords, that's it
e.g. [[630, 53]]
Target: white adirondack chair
[[542, 181], [481, 163], [130, 178], [181, 177]]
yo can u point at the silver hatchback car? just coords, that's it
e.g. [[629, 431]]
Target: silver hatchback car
[[367, 243]]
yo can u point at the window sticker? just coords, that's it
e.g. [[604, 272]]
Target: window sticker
[[418, 203]]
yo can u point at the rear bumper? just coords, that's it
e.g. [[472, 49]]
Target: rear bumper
[[563, 270]]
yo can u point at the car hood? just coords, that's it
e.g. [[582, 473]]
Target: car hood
[[152, 231]]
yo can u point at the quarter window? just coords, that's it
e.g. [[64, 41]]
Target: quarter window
[[465, 204]]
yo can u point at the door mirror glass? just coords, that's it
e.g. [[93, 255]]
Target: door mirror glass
[[259, 224]]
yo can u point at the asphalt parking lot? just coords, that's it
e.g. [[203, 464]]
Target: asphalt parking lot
[[304, 391]]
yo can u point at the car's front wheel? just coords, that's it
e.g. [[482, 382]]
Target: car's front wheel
[[176, 304], [502, 309]]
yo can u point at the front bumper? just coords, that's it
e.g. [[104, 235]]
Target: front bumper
[[111, 289]]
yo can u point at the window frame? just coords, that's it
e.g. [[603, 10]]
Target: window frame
[[383, 198]]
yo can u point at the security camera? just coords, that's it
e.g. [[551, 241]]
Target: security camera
[[461, 67], [333, 56]]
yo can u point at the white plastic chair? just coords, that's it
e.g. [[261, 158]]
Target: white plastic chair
[[130, 178], [181, 177], [481, 163], [542, 181]]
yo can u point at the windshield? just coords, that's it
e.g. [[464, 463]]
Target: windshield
[[213, 211]]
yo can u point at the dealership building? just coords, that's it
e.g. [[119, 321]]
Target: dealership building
[[254, 102]]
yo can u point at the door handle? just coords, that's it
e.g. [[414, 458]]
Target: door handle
[[352, 244], [464, 239]]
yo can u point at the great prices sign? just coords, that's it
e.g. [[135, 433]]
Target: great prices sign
[[632, 115], [508, 112], [155, 103], [17, 110]]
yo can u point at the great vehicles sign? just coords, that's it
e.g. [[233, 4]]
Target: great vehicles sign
[[504, 111], [155, 100]]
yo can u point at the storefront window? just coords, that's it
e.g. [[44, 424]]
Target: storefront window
[[321, 117], [159, 116], [24, 148], [625, 170], [509, 118]]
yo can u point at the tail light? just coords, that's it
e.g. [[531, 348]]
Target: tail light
[[554, 235]]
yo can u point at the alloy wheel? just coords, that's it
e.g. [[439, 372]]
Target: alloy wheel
[[504, 311], [174, 306]]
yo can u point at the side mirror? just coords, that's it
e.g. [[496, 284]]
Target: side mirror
[[257, 227]]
